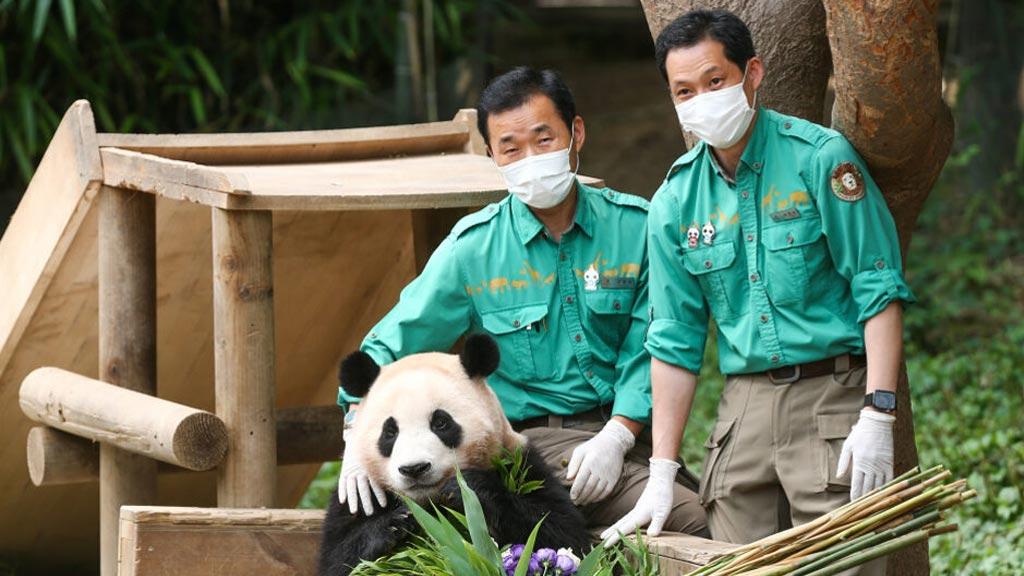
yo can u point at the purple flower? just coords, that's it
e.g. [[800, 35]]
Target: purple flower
[[509, 563], [545, 555], [535, 568], [565, 565], [516, 550]]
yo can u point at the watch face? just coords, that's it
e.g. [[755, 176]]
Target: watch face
[[884, 400]]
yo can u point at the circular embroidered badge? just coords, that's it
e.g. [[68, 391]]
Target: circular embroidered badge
[[847, 182]]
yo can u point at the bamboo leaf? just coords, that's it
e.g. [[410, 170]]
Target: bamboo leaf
[[339, 77], [39, 20], [477, 523], [207, 71], [28, 117], [67, 10], [524, 560], [195, 99]]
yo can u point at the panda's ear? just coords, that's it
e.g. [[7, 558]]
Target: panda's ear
[[357, 373], [480, 356]]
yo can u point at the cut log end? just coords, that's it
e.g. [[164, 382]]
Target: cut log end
[[200, 441]]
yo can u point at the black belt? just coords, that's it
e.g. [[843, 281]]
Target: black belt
[[599, 414], [835, 365]]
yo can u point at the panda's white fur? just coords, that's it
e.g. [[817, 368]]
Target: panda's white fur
[[436, 382]]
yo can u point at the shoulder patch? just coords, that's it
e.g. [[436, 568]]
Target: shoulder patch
[[485, 214], [847, 182], [620, 199]]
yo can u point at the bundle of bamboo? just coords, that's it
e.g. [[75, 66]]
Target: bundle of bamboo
[[903, 512]]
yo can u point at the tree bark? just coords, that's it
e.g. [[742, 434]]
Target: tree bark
[[888, 103]]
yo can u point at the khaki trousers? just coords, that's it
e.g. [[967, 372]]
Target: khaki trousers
[[772, 456], [555, 445]]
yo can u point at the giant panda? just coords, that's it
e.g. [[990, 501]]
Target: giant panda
[[419, 418]]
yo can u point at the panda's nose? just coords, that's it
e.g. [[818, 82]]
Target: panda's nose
[[414, 471]]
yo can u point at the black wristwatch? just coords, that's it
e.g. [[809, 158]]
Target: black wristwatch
[[881, 400]]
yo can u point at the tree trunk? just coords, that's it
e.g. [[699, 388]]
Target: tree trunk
[[888, 103]]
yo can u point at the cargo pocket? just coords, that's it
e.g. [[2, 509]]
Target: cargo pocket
[[709, 265], [833, 430], [786, 248], [711, 480], [512, 329]]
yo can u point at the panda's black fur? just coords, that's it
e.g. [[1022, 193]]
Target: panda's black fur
[[348, 539]]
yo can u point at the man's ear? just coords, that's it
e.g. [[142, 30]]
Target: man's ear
[[357, 373], [480, 356]]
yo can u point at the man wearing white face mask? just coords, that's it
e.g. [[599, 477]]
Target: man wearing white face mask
[[799, 264], [557, 274]]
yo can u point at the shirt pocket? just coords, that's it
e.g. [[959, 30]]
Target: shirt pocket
[[514, 329], [787, 250], [608, 318], [710, 265], [833, 430]]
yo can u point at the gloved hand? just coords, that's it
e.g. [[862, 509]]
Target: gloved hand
[[355, 485], [868, 449], [654, 504], [596, 464]]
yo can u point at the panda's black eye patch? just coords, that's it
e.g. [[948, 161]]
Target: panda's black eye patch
[[388, 435], [446, 428]]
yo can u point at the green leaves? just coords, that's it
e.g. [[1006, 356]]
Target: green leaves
[[511, 465]]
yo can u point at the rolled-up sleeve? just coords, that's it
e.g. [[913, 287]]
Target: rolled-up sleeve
[[633, 366], [436, 298], [859, 230], [679, 312]]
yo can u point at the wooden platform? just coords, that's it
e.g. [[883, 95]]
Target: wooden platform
[[230, 542], [354, 212]]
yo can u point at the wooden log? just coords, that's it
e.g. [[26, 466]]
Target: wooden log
[[243, 342], [305, 435], [139, 423], [127, 348]]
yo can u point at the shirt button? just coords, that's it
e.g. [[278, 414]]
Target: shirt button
[[515, 323], [562, 256], [578, 338], [764, 318], [745, 194], [617, 306], [775, 358], [568, 299], [880, 264], [750, 237], [590, 373], [790, 239], [707, 263], [757, 165], [787, 125], [754, 277]]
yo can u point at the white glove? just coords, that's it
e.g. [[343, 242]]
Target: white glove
[[596, 464], [355, 485], [654, 504], [869, 449]]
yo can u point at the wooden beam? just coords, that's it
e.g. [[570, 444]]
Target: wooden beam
[[306, 435], [134, 170], [297, 147], [219, 541], [132, 421], [127, 353], [243, 324]]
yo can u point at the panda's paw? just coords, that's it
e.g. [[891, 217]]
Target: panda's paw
[[401, 523]]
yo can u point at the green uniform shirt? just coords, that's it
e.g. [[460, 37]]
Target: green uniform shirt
[[569, 318], [804, 252]]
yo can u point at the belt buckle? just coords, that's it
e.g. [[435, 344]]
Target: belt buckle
[[786, 379]]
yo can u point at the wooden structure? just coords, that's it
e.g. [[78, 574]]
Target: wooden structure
[[161, 540], [186, 298]]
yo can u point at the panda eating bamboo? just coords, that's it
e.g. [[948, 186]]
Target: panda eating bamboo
[[420, 418]]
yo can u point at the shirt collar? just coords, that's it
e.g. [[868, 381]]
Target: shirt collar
[[529, 226], [753, 154]]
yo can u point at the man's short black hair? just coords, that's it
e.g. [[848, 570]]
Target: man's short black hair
[[513, 88], [693, 27]]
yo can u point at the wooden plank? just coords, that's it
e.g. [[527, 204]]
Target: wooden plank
[[127, 359], [220, 541], [136, 422], [305, 146], [305, 435], [243, 313], [135, 170], [51, 211], [688, 549]]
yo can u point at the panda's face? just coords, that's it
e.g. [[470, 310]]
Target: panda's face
[[423, 417]]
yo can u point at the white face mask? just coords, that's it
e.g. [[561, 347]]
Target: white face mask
[[541, 180], [719, 118]]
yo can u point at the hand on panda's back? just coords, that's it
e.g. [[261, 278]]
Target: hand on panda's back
[[596, 465], [355, 485]]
